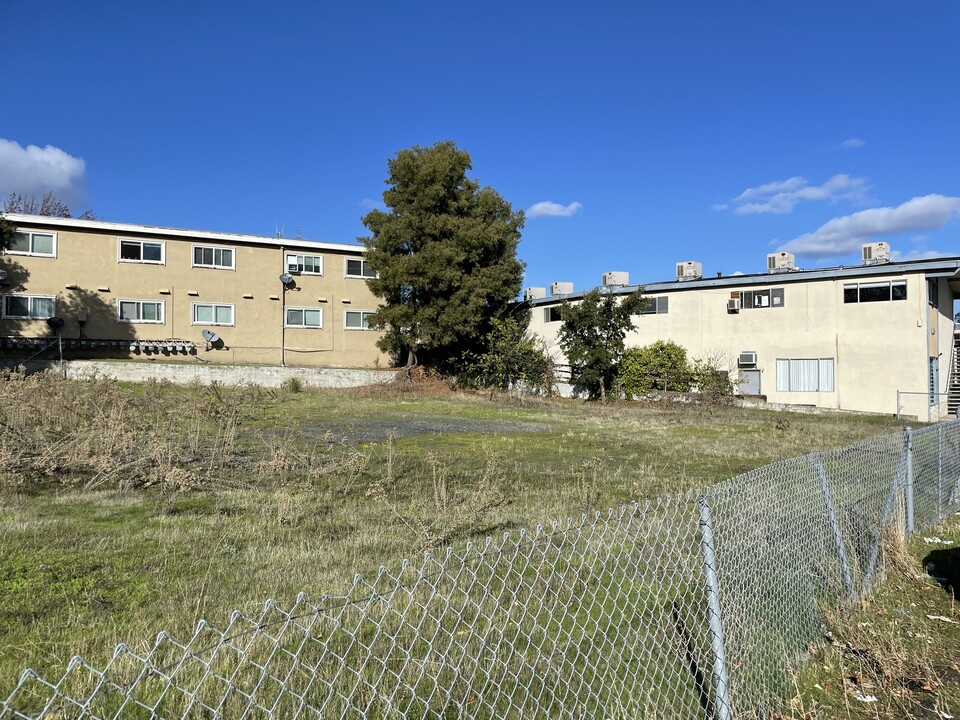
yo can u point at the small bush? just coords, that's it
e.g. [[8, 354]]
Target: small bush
[[293, 385], [660, 366]]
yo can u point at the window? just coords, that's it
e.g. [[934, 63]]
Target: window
[[552, 314], [875, 291], [360, 268], [213, 257], [212, 314], [813, 375], [750, 299], [305, 317], [357, 319], [933, 293], [33, 243], [655, 306], [141, 251], [308, 264], [140, 311], [28, 306]]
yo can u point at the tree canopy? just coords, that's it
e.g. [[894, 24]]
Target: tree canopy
[[592, 336], [445, 254]]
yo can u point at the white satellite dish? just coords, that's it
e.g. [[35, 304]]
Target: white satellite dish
[[210, 336], [286, 278]]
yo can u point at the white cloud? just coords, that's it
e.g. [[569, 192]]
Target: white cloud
[[782, 196], [371, 204], [548, 208], [844, 235], [852, 143], [897, 256], [719, 206], [37, 170]]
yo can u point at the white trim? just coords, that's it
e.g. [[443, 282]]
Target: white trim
[[31, 253], [214, 306], [302, 326], [141, 242], [362, 313], [29, 296], [298, 255], [193, 257], [140, 320], [201, 235]]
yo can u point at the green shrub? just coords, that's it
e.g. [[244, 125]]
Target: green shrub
[[662, 365]]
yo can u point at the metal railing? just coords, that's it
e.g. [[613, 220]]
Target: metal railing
[[700, 605], [922, 406]]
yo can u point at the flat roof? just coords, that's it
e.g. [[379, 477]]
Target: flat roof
[[948, 267], [151, 230]]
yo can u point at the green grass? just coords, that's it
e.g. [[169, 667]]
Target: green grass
[[233, 497]]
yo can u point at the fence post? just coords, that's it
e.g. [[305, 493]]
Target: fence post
[[908, 484], [817, 461], [898, 404], [721, 682], [939, 471]]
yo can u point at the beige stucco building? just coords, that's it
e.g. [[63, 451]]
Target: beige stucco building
[[847, 338], [182, 295]]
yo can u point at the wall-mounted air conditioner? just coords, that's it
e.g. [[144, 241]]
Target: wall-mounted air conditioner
[[534, 293], [616, 279], [689, 270], [733, 305], [781, 262], [561, 288], [747, 357], [876, 253]]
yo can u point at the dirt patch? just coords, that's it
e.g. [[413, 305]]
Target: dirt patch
[[358, 430]]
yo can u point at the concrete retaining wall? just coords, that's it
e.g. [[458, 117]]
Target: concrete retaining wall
[[183, 373]]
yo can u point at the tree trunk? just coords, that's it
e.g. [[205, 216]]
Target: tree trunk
[[603, 393]]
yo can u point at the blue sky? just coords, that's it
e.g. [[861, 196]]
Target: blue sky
[[657, 132]]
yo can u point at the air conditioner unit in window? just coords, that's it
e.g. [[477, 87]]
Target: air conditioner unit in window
[[293, 268], [747, 357], [733, 305], [876, 253]]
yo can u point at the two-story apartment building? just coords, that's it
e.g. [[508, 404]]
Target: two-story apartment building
[[844, 337], [134, 290]]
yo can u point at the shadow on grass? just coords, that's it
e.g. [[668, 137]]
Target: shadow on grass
[[944, 567]]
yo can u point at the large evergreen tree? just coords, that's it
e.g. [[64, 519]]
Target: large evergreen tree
[[445, 253]]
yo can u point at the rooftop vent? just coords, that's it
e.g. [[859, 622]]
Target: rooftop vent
[[616, 279], [781, 262], [534, 293], [689, 270], [876, 253], [561, 288]]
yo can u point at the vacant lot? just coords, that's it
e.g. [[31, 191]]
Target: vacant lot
[[125, 510]]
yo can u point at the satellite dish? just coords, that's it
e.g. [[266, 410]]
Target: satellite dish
[[210, 336], [55, 322], [286, 278]]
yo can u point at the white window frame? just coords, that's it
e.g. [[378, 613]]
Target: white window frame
[[30, 298], [364, 315], [297, 262], [31, 252], [825, 374], [141, 243], [213, 306], [160, 303], [363, 264], [302, 326], [214, 265]]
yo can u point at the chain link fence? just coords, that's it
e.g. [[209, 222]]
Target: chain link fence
[[696, 606], [922, 406]]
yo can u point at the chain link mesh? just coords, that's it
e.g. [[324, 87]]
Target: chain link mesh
[[696, 606]]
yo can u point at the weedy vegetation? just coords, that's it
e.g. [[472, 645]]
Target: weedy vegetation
[[127, 509]]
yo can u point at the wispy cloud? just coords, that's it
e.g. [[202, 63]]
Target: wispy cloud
[[782, 196], [852, 143], [548, 208], [37, 170], [844, 235], [371, 204]]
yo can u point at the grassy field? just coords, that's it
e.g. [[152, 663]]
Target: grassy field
[[125, 510]]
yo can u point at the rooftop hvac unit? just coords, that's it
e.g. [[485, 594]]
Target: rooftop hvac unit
[[616, 279], [561, 288], [876, 253], [747, 357], [689, 270], [534, 293], [733, 305], [781, 262]]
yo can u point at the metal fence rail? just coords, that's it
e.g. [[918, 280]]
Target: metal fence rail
[[695, 606], [923, 406]]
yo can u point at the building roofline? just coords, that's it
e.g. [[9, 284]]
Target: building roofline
[[941, 267], [122, 228]]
